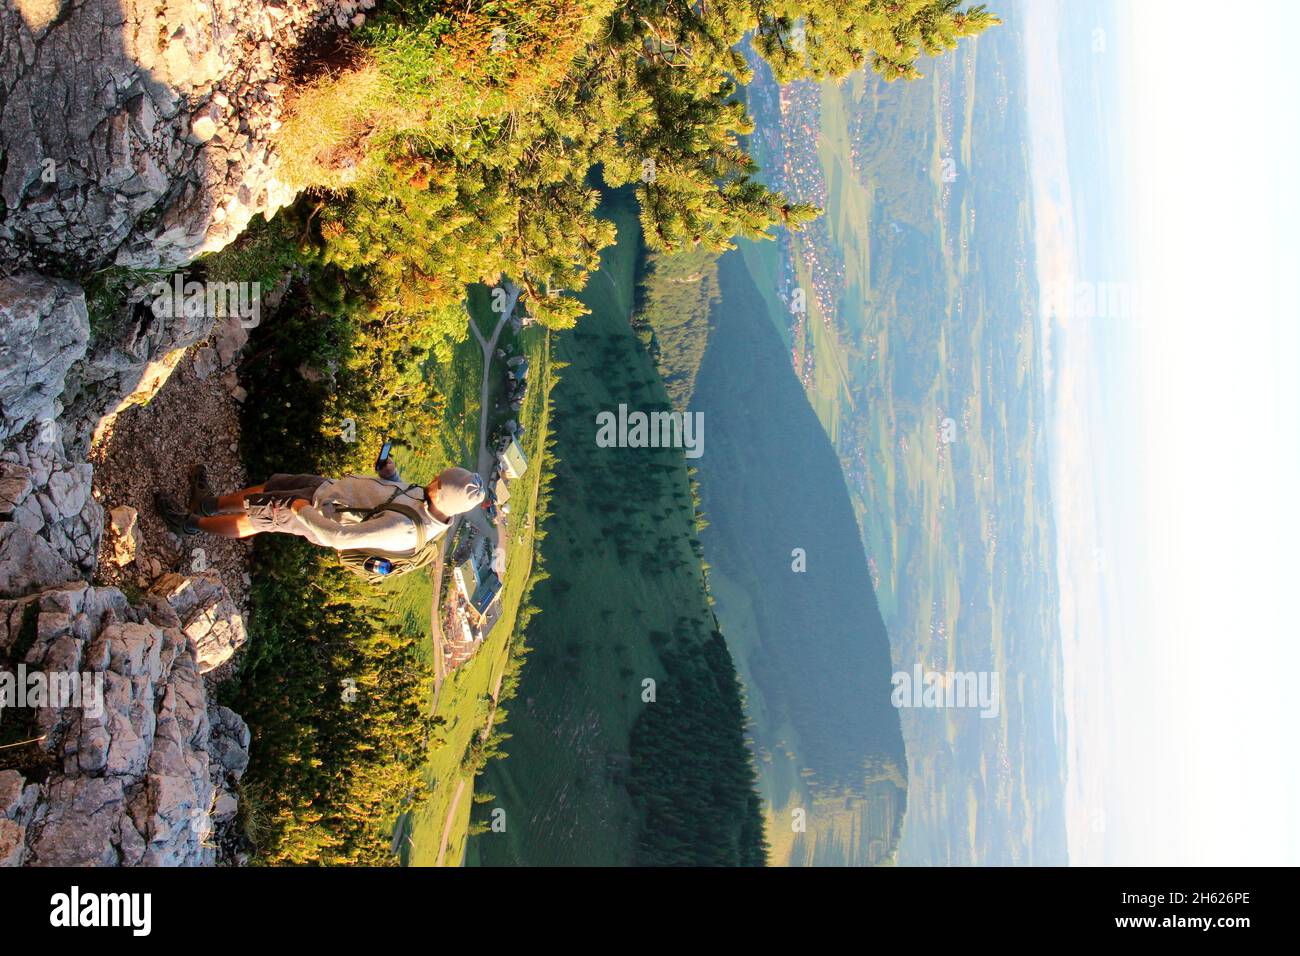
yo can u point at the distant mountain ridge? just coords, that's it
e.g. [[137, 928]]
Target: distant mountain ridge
[[810, 642]]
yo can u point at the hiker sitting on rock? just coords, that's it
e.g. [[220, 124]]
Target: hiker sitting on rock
[[380, 526]]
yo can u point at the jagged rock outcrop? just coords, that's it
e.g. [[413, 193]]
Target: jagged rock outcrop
[[49, 495], [133, 774], [202, 609], [131, 779], [44, 329], [54, 392], [139, 769], [228, 740], [135, 134], [138, 132], [28, 562], [125, 368], [126, 539], [54, 385]]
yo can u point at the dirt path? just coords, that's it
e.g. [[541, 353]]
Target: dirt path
[[488, 346], [435, 620], [484, 467], [451, 818]]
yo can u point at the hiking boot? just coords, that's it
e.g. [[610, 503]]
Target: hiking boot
[[203, 501], [177, 519]]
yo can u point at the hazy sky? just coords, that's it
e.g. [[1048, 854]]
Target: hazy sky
[[1179, 677]]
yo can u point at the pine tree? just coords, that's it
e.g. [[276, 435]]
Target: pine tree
[[480, 129]]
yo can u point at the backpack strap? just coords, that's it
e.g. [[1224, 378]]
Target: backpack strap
[[365, 513], [421, 535]]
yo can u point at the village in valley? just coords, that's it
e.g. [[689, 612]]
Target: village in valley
[[471, 603]]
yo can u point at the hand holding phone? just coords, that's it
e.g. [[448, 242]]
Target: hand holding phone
[[384, 466]]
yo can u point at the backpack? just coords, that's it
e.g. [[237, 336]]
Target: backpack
[[404, 562]]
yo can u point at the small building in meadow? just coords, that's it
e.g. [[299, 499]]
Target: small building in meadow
[[489, 590], [513, 462], [467, 578]]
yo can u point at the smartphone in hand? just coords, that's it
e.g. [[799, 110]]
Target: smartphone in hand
[[383, 464]]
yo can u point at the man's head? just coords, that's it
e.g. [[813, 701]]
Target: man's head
[[455, 491]]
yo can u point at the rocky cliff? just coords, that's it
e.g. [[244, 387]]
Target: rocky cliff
[[142, 774], [144, 769], [135, 135], [139, 132]]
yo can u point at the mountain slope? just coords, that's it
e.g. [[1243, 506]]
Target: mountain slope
[[597, 773], [811, 643]]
